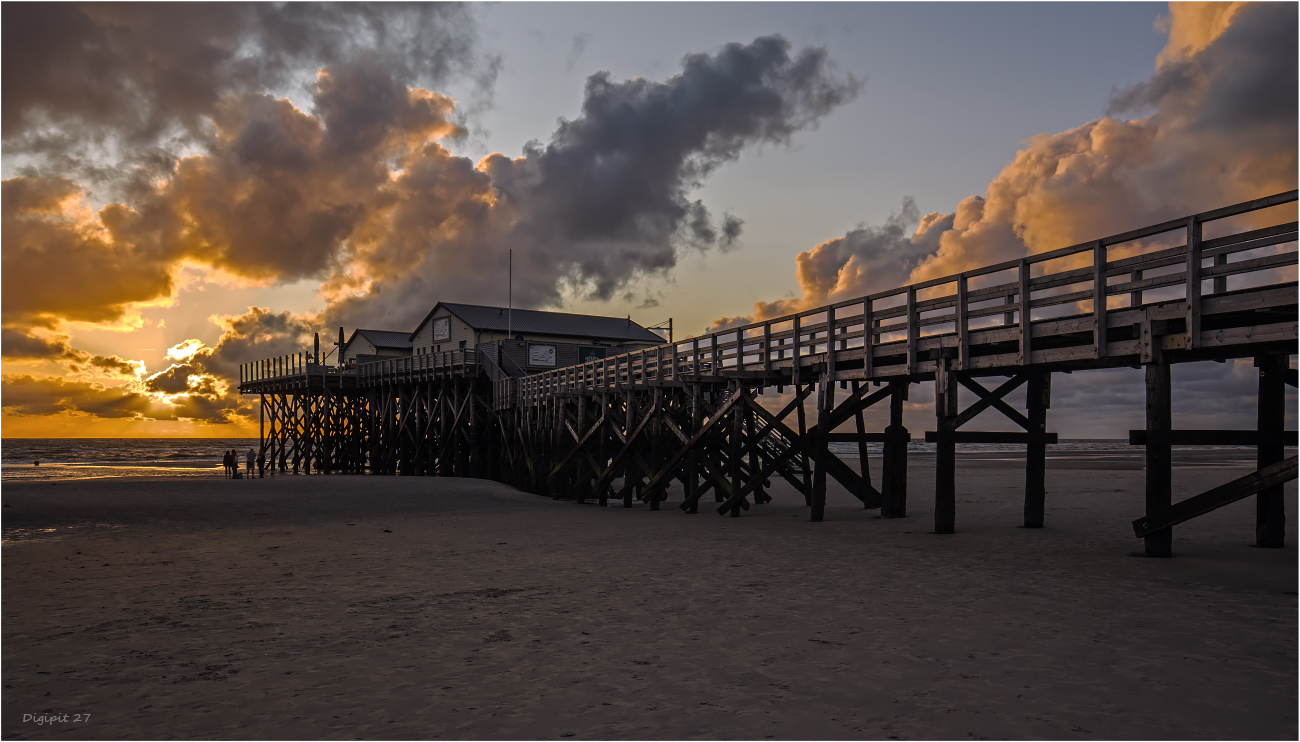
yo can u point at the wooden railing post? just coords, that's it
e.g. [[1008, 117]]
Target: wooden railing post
[[1220, 282], [963, 324], [868, 340], [794, 369], [1193, 283], [1099, 299], [1026, 323], [913, 330], [767, 346]]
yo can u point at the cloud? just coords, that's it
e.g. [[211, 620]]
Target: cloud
[[580, 41], [28, 395], [26, 346], [143, 78], [19, 345], [1221, 129], [606, 202], [359, 190], [61, 262]]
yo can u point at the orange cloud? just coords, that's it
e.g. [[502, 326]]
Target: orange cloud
[[1222, 130]]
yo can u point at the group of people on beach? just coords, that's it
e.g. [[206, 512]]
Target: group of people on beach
[[231, 463]]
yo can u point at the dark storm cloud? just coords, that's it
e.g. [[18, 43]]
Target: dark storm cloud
[[17, 345], [358, 190], [80, 73], [29, 395], [20, 345], [607, 200]]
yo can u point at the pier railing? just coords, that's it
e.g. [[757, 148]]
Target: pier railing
[[1093, 300], [287, 367], [297, 368]]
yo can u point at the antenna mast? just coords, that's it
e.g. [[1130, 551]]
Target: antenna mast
[[510, 296]]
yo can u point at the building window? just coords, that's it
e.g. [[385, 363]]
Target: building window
[[462, 345]]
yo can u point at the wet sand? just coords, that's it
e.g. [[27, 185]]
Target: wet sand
[[375, 607]]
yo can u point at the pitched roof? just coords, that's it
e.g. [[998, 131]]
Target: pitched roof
[[381, 338], [546, 323]]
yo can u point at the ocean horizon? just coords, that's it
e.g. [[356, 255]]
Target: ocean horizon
[[97, 458]]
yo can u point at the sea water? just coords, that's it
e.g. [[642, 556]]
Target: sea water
[[95, 458]]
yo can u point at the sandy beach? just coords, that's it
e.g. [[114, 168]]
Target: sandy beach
[[374, 607]]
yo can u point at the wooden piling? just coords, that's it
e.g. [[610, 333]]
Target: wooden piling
[[821, 450], [893, 475], [1270, 509], [1159, 473], [945, 477], [1039, 399]]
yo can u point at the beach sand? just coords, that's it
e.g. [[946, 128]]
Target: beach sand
[[376, 607]]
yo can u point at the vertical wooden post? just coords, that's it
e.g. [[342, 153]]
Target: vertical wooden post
[[893, 475], [963, 324], [913, 330], [1039, 400], [863, 469], [1098, 300], [767, 347], [755, 456], [1193, 283], [825, 406], [945, 476], [794, 370], [693, 460], [868, 340], [629, 398], [655, 431], [736, 446], [1135, 297], [1270, 510], [603, 442], [579, 463], [805, 444], [261, 436], [1220, 282], [1026, 314], [1159, 485]]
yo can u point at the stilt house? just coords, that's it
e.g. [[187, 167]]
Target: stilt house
[[374, 345], [528, 339]]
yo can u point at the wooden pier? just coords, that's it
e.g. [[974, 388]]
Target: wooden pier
[[630, 427]]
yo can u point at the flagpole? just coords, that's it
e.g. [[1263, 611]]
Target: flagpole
[[510, 296]]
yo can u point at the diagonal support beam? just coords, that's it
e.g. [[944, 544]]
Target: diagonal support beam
[[990, 399], [676, 458], [856, 403], [581, 442], [1270, 476], [608, 476]]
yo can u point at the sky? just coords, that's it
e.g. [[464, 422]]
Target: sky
[[188, 188]]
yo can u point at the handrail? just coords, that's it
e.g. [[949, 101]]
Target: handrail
[[895, 320], [790, 340]]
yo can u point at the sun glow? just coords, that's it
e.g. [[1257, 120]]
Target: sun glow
[[185, 350]]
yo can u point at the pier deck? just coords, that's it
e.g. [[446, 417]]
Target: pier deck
[[628, 427]]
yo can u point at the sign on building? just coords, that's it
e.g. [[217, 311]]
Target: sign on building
[[540, 354], [442, 328], [590, 354]]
